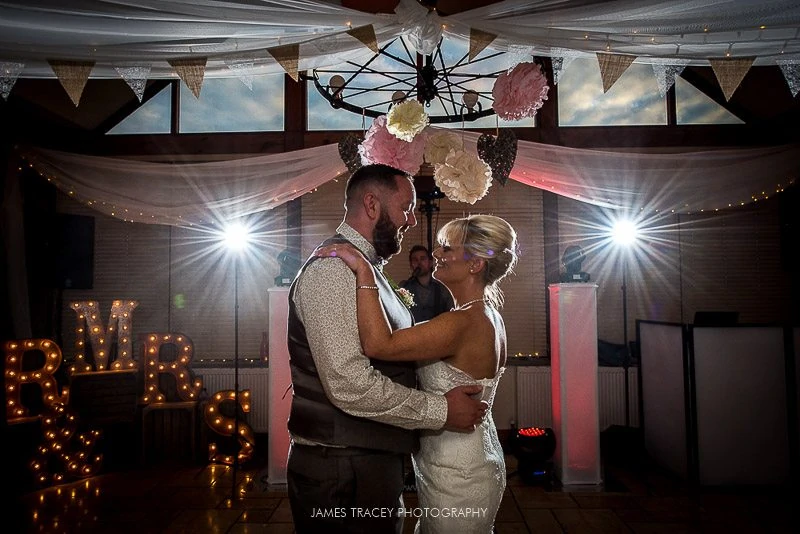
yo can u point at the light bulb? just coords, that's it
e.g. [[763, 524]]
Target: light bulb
[[470, 98]]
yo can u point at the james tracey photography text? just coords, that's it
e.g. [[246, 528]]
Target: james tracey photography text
[[365, 513]]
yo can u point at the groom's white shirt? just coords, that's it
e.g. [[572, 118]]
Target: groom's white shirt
[[325, 300]]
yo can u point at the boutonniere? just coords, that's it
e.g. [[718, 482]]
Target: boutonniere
[[405, 296]]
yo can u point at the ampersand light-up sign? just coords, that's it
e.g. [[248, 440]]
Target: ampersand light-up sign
[[179, 368], [43, 376], [59, 459], [100, 337], [226, 426]]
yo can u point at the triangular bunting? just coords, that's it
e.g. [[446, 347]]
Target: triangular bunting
[[243, 69], [666, 73], [135, 77], [730, 72], [9, 72], [73, 76], [561, 58], [791, 71], [288, 56], [191, 71], [365, 34], [478, 40], [612, 66], [518, 54]]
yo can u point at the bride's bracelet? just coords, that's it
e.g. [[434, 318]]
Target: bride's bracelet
[[367, 287]]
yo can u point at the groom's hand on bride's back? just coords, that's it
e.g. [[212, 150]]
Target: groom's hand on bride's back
[[463, 411]]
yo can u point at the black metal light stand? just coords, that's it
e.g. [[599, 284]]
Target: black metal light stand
[[235, 373], [626, 353], [428, 206]]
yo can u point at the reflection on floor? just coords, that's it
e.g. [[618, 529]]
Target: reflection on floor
[[635, 497]]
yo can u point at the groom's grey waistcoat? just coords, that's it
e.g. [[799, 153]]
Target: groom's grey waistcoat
[[313, 416]]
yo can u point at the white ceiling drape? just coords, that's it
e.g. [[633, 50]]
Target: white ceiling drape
[[120, 33], [112, 34], [209, 193]]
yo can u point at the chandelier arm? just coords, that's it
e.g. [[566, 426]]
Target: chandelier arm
[[342, 104], [412, 58], [466, 117], [360, 68], [446, 79]]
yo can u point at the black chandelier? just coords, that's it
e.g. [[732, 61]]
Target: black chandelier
[[452, 87]]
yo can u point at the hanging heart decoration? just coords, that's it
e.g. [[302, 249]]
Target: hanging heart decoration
[[348, 151], [499, 153]]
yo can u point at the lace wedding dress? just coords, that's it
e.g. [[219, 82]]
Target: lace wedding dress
[[460, 476]]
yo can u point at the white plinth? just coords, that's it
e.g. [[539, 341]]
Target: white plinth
[[576, 418], [279, 380]]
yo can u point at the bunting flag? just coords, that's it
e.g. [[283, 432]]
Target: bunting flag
[[325, 44], [667, 72], [561, 58], [612, 66], [9, 72], [791, 71], [288, 56], [191, 71], [365, 34], [730, 72], [243, 69], [135, 77], [73, 76], [478, 40], [518, 54]]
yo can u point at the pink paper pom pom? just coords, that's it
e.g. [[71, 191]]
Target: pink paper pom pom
[[520, 92], [381, 146]]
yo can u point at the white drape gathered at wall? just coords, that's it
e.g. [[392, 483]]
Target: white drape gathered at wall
[[208, 193]]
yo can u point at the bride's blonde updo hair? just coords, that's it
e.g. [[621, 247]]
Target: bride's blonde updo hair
[[488, 237]]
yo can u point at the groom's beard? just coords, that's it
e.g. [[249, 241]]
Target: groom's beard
[[386, 237]]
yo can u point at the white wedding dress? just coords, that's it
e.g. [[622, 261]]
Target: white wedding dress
[[460, 476]]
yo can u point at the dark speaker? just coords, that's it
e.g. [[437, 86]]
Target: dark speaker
[[790, 228], [73, 246]]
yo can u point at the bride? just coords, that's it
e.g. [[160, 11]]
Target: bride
[[460, 476]]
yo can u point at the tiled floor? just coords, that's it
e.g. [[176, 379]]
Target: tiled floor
[[199, 499]]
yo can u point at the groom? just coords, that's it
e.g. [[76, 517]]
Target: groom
[[352, 419]]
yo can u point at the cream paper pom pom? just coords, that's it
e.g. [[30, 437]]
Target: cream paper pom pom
[[463, 177], [406, 119], [439, 146]]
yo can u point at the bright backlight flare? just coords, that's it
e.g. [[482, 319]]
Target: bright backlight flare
[[236, 236], [624, 232]]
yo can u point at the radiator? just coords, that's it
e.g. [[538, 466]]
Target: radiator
[[254, 379], [534, 402]]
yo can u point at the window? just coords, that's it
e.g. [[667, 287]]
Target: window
[[227, 105], [694, 107], [153, 117], [634, 99]]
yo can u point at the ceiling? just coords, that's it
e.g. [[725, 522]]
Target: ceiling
[[37, 105]]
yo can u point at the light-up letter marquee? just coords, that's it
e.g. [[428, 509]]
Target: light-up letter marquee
[[179, 368], [226, 426], [16, 377], [100, 338]]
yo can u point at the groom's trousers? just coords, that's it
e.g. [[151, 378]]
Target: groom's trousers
[[345, 490]]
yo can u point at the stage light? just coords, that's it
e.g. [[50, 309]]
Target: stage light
[[236, 236], [624, 232], [533, 447]]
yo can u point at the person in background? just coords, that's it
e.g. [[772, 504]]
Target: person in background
[[431, 297], [353, 419]]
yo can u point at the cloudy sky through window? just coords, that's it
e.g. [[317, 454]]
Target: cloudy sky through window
[[228, 105]]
